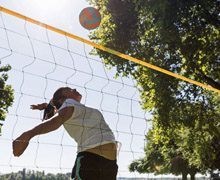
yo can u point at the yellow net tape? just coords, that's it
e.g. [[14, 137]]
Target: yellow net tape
[[106, 49]]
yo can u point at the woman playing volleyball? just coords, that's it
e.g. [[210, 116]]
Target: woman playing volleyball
[[97, 147]]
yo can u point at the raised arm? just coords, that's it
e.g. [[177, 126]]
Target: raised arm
[[21, 143], [41, 106]]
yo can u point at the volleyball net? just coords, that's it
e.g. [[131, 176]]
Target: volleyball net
[[44, 58]]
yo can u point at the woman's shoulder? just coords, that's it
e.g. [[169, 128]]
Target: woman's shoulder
[[71, 102]]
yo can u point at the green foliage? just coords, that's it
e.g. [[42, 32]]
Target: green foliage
[[182, 37], [195, 130], [34, 175], [162, 156], [153, 159], [6, 93]]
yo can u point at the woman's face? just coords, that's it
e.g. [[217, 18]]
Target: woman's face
[[71, 93]]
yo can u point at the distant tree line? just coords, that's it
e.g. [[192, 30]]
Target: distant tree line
[[34, 175]]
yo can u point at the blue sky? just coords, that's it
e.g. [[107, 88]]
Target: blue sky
[[35, 76]]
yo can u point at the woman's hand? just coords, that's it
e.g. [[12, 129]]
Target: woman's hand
[[20, 144], [39, 106]]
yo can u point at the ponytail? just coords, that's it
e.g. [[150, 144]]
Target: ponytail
[[49, 111], [54, 104]]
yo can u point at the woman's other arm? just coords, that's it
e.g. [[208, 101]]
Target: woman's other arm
[[21, 143], [39, 106]]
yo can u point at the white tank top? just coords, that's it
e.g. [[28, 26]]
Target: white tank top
[[87, 126]]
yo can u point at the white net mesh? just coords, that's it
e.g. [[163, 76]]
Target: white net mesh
[[43, 61]]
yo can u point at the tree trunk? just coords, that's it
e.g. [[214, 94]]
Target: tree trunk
[[192, 176], [184, 176]]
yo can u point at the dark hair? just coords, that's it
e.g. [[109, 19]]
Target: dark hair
[[50, 110]]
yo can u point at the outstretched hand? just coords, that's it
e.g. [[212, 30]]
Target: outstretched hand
[[20, 144], [39, 106]]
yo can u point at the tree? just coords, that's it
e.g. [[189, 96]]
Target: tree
[[152, 160], [182, 37], [196, 132], [23, 174], [160, 160], [6, 93], [34, 175]]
